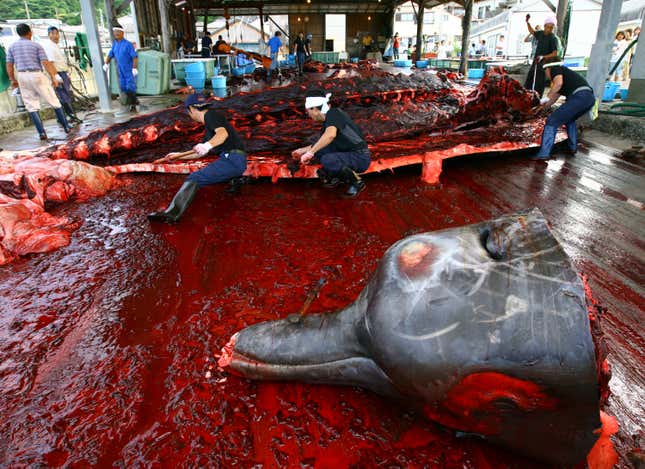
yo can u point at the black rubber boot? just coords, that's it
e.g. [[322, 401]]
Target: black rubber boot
[[69, 110], [35, 118], [179, 204], [62, 120], [356, 184], [132, 102], [327, 179]]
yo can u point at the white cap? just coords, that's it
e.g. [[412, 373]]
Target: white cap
[[550, 20], [118, 28]]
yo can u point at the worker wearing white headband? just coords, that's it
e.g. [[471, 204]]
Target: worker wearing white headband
[[580, 99], [546, 48], [126, 64], [341, 148]]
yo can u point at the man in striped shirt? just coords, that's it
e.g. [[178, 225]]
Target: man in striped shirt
[[25, 63]]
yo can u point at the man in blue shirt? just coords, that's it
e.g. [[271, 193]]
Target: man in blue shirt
[[25, 62], [274, 48], [126, 65]]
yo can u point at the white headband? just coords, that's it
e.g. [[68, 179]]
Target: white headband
[[315, 101], [117, 28], [552, 64]]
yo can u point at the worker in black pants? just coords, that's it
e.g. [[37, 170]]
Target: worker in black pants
[[546, 48], [220, 138], [580, 99], [341, 148]]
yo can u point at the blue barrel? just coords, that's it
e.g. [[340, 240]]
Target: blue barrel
[[218, 81]]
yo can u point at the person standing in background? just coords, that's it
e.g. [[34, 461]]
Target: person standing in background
[[207, 43], [275, 44], [619, 46], [126, 65], [500, 46], [299, 51], [547, 48], [308, 47], [25, 63], [396, 44], [531, 38], [57, 57]]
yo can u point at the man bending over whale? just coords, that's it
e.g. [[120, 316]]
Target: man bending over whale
[[341, 148], [220, 138]]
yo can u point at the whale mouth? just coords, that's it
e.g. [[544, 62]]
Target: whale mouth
[[320, 348]]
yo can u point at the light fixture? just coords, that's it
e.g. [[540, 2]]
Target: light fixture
[[298, 19], [181, 2], [309, 1], [369, 18]]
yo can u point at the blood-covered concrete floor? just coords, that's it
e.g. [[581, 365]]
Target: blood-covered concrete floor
[[108, 346]]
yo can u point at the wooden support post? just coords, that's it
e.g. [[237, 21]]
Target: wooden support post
[[465, 36], [422, 6]]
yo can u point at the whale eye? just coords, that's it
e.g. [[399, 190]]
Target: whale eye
[[416, 257]]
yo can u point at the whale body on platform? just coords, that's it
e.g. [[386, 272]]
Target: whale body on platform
[[484, 328]]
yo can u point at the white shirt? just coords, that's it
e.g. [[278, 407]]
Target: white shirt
[[55, 55]]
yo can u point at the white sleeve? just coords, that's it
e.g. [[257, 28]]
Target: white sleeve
[[49, 51]]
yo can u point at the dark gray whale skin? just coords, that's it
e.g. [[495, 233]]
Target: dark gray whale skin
[[484, 328]]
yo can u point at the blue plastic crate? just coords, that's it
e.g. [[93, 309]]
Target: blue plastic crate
[[476, 73], [238, 71], [195, 67], [611, 88], [422, 64], [354, 60], [623, 93], [198, 84], [403, 63]]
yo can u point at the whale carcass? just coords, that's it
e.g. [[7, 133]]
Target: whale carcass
[[483, 328]]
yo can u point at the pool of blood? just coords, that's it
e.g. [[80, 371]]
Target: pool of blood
[[109, 346]]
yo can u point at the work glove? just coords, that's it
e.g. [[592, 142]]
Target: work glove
[[544, 100], [202, 148], [106, 67], [135, 72], [306, 158], [58, 78]]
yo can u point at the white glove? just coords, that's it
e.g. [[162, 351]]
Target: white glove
[[58, 78], [106, 67], [202, 148], [135, 72], [544, 100]]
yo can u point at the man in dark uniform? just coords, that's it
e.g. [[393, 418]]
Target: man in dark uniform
[[207, 43], [546, 48], [580, 99], [341, 148], [220, 138]]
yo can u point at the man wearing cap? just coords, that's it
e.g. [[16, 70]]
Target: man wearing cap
[[341, 148], [220, 138], [580, 99], [126, 65], [25, 62], [275, 44], [57, 57], [546, 47]]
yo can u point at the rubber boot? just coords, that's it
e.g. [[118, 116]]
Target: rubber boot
[[69, 110], [327, 179], [179, 204], [548, 138], [35, 118], [572, 132], [132, 102], [235, 184], [356, 184], [62, 120]]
